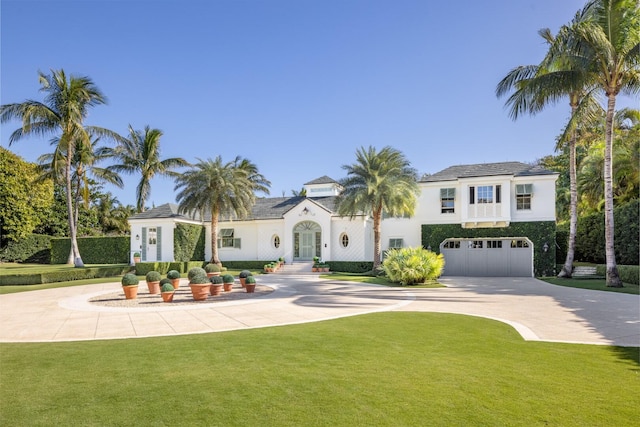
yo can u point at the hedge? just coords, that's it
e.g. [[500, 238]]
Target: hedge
[[539, 232], [35, 248], [188, 242], [246, 265], [351, 266], [94, 250], [628, 273], [162, 267], [64, 275]]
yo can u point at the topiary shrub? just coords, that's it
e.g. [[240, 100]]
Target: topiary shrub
[[216, 280], [212, 268], [250, 280], [196, 271], [166, 286], [153, 276], [173, 274], [410, 266], [129, 279], [227, 278], [244, 274]]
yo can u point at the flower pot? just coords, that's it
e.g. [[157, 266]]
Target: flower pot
[[130, 292], [175, 283], [228, 287], [216, 273], [216, 289], [167, 296], [242, 279], [136, 259], [250, 287], [199, 292], [154, 287]]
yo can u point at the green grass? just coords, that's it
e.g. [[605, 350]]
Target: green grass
[[383, 369], [375, 280], [598, 284]]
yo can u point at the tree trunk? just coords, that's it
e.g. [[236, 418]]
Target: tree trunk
[[567, 268], [377, 244], [214, 238], [613, 278], [74, 254]]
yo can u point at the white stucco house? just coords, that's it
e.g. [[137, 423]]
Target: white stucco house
[[495, 219]]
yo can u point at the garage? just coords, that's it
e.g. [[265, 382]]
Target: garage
[[488, 257]]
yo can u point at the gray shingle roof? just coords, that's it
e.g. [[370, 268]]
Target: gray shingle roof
[[264, 208], [486, 169], [322, 180]]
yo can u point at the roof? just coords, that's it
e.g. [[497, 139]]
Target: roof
[[264, 208], [322, 180], [453, 173]]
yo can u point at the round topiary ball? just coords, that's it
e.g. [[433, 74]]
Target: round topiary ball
[[212, 268], [173, 274], [153, 276], [244, 274], [227, 278], [166, 287], [216, 280], [196, 271], [250, 280], [130, 279]]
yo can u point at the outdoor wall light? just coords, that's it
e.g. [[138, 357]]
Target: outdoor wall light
[[305, 210], [429, 248], [137, 237], [545, 247]]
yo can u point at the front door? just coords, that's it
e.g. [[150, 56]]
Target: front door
[[308, 245], [152, 244], [307, 238]]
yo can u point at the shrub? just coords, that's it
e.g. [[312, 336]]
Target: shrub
[[33, 248], [153, 276], [212, 268], [250, 280], [628, 273], [216, 280], [227, 278], [409, 266], [244, 274], [167, 286], [198, 276], [94, 250], [173, 274], [129, 279]]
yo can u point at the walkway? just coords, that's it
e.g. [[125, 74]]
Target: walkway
[[538, 311]]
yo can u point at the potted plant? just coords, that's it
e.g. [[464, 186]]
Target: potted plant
[[130, 285], [212, 269], [227, 282], [250, 284], [199, 283], [174, 276], [281, 261], [243, 276], [153, 282], [316, 259], [216, 285], [166, 290], [136, 257]]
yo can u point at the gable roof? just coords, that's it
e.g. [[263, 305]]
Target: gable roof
[[168, 210], [322, 180], [453, 173]]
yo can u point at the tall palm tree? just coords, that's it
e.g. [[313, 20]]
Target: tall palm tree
[[140, 153], [66, 105], [377, 183], [223, 189], [607, 40], [534, 87]]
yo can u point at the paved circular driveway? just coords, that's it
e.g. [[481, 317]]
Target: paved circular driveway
[[538, 311]]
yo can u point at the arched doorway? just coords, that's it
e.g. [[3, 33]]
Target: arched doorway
[[307, 240]]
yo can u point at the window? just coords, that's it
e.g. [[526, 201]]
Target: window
[[276, 241], [523, 196], [519, 244], [152, 235], [485, 194], [475, 244], [395, 243], [227, 240], [447, 200], [344, 240], [451, 245], [494, 244]]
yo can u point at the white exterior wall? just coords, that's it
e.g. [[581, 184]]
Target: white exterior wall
[[359, 232], [407, 229], [165, 241], [543, 199], [314, 213]]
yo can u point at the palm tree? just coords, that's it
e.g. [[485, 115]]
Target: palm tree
[[226, 189], [537, 86], [607, 40], [140, 153], [379, 182], [62, 113]]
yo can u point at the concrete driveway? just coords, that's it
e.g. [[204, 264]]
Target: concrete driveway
[[537, 310]]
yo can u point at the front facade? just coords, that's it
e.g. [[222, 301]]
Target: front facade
[[487, 219]]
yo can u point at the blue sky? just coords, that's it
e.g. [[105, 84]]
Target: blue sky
[[296, 86]]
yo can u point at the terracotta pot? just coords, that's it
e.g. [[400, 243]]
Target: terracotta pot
[[130, 292], [216, 289], [199, 292], [154, 287], [167, 296], [136, 259], [175, 283], [242, 279], [250, 287], [216, 273], [228, 287]]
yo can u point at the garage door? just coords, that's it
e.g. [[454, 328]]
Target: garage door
[[488, 257]]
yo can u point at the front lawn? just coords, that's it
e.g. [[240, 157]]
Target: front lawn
[[598, 284], [383, 369], [376, 280]]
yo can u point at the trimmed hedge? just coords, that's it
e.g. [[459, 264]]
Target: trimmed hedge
[[628, 273], [162, 267], [538, 232], [35, 248], [351, 266], [94, 250], [245, 265], [64, 276], [188, 242]]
